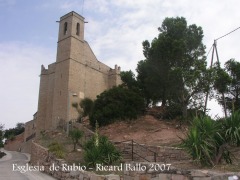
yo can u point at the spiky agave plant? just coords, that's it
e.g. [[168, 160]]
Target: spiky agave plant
[[100, 150], [203, 140], [232, 128]]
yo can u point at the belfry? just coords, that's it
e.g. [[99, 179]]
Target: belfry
[[76, 74]]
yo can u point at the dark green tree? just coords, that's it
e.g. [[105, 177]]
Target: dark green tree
[[145, 83], [227, 84], [87, 105], [233, 96], [84, 108], [175, 66], [128, 79], [117, 103], [12, 132]]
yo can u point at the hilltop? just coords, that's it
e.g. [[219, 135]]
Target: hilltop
[[146, 130]]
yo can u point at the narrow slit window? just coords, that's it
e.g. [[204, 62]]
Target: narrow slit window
[[78, 29], [65, 28]]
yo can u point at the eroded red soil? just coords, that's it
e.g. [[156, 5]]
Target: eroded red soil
[[145, 130]]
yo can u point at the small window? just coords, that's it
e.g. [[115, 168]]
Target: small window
[[78, 29], [65, 28]]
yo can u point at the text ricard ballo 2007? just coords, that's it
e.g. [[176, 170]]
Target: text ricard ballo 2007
[[98, 167]]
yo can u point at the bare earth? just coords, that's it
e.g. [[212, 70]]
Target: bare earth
[[151, 131], [146, 130]]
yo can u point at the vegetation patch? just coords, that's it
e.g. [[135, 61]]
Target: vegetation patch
[[99, 150], [57, 149], [118, 103], [209, 141], [75, 135], [2, 154]]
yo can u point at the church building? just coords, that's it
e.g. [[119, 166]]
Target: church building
[[76, 74]]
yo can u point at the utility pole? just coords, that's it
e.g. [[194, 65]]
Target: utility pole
[[214, 46], [223, 96]]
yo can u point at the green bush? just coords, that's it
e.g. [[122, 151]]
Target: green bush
[[205, 142], [118, 103], [56, 149], [173, 110], [232, 128], [75, 135], [87, 105], [100, 150]]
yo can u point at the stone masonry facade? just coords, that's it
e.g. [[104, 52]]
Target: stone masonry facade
[[143, 170], [76, 74]]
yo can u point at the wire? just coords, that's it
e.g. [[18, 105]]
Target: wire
[[209, 50], [227, 34]]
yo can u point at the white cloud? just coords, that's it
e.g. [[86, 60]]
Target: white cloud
[[117, 39], [115, 32], [19, 76], [69, 5]]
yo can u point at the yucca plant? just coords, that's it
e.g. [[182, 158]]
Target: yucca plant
[[105, 152], [203, 141], [232, 128]]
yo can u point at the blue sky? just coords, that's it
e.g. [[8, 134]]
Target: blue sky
[[116, 29]]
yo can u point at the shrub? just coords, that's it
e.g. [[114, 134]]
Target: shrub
[[56, 149], [118, 103], [2, 154], [103, 152], [75, 135], [232, 128], [205, 143], [172, 111], [87, 105]]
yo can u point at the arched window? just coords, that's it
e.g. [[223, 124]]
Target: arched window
[[65, 28], [78, 29]]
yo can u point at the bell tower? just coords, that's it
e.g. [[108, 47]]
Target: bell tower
[[70, 36], [76, 74], [70, 51]]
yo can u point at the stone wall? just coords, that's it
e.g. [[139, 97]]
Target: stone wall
[[143, 170], [141, 152], [18, 144], [41, 157], [15, 144], [30, 130], [158, 171]]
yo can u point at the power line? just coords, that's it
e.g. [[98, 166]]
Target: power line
[[227, 33], [214, 48], [209, 50], [222, 37]]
